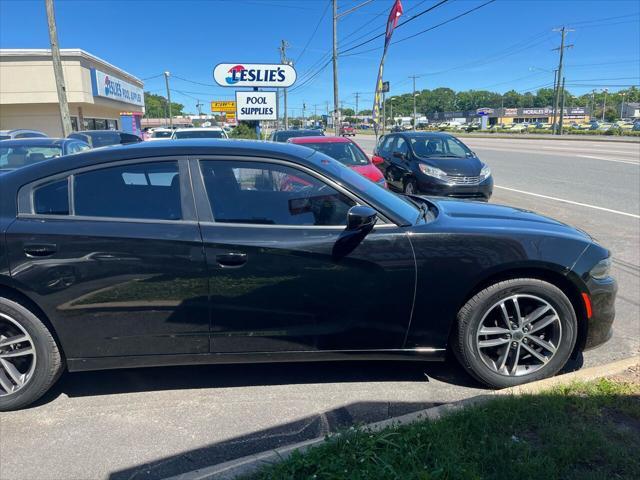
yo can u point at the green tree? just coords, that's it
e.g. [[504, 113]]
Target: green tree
[[348, 112], [155, 106], [243, 131]]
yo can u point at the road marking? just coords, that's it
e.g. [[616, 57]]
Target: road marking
[[550, 153], [609, 159], [632, 215], [627, 152]]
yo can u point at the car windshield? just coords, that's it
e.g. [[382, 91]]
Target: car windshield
[[361, 186], [286, 135], [426, 146], [20, 156], [199, 134], [161, 134], [346, 153]]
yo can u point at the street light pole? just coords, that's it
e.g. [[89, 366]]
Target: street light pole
[[604, 103], [414, 101], [622, 106], [58, 74]]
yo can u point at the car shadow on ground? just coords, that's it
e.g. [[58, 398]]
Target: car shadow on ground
[[108, 382]]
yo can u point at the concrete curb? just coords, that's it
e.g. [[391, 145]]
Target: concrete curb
[[250, 464]]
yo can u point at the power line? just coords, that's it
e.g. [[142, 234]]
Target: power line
[[433, 7], [324, 13]]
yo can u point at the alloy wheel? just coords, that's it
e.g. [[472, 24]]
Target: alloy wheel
[[17, 356], [409, 188], [519, 335]]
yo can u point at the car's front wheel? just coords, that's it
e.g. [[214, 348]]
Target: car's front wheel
[[30, 361], [514, 332]]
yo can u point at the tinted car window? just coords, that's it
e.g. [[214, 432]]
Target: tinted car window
[[129, 138], [287, 134], [269, 194], [385, 144], [19, 156], [425, 146], [200, 134], [401, 146], [30, 135], [346, 153], [52, 198], [144, 191], [161, 134]]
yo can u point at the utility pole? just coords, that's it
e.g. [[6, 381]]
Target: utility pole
[[604, 103], [304, 106], [166, 81], [561, 48], [199, 107], [393, 122], [561, 110], [283, 59], [335, 68], [414, 101], [357, 98], [622, 106], [593, 103], [58, 74]]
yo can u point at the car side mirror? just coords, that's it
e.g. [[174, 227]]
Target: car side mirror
[[377, 160], [360, 221], [399, 155], [361, 218]]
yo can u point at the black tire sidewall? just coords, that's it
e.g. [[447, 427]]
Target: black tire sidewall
[[47, 357], [413, 184], [488, 298]]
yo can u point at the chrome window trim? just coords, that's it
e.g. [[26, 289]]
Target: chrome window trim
[[335, 185]]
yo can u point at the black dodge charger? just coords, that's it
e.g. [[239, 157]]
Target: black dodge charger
[[208, 251]]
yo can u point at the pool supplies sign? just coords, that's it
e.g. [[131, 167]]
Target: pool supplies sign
[[254, 75], [256, 106]]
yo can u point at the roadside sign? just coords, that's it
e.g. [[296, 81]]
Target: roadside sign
[[254, 75], [385, 87], [230, 115], [222, 106], [256, 105]]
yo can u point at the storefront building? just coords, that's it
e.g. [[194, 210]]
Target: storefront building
[[97, 92], [509, 116]]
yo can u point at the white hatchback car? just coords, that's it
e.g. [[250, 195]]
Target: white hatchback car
[[210, 132]]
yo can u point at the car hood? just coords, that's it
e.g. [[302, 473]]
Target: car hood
[[468, 166], [480, 215], [370, 171]]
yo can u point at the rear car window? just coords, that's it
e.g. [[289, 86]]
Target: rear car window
[[52, 198], [142, 191]]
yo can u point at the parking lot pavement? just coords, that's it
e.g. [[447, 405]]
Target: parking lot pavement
[[153, 423]]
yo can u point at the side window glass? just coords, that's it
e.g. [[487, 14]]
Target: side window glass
[[52, 198], [455, 148], [271, 194], [401, 146], [386, 146], [144, 191]]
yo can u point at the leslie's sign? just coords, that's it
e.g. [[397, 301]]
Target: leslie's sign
[[254, 75]]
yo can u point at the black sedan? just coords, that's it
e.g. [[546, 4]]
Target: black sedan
[[436, 164], [205, 251], [19, 153]]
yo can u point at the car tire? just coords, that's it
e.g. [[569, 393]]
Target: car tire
[[36, 377], [541, 319], [410, 187]]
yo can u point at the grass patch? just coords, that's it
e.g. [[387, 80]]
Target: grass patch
[[581, 431]]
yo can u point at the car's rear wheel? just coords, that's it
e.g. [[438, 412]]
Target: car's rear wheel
[[514, 332], [30, 361]]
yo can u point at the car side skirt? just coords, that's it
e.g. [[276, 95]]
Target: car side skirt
[[108, 363]]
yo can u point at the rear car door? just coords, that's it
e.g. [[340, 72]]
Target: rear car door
[[399, 170], [385, 151], [269, 230], [114, 254]]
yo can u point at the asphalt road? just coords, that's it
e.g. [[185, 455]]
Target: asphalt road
[[153, 423]]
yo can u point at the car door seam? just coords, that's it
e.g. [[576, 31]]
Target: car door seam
[[415, 290]]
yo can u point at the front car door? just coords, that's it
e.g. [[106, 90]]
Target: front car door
[[269, 229], [113, 253]]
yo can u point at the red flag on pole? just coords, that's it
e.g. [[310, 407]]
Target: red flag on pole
[[392, 22]]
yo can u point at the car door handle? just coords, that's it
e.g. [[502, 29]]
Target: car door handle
[[232, 259], [40, 249]]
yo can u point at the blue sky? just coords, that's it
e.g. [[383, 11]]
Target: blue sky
[[501, 46]]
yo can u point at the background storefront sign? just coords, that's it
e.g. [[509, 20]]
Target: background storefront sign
[[254, 75], [256, 106], [109, 86], [510, 112], [223, 106]]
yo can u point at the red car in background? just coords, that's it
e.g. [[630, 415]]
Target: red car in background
[[347, 152], [347, 130]]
